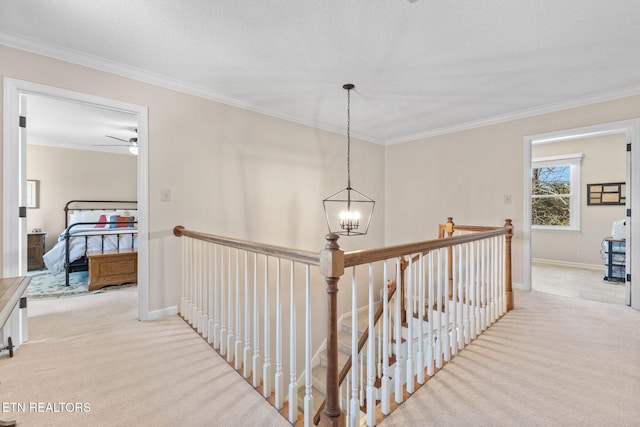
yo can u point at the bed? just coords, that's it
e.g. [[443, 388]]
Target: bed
[[96, 229]]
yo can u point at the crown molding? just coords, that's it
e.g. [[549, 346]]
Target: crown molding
[[100, 64], [116, 68], [530, 112]]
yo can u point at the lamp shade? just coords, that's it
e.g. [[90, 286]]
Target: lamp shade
[[348, 212]]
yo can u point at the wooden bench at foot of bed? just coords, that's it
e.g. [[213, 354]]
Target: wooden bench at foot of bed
[[115, 267]]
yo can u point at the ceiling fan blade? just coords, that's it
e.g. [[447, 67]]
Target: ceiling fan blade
[[119, 139], [110, 145]]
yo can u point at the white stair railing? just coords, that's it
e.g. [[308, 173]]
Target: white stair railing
[[445, 293]]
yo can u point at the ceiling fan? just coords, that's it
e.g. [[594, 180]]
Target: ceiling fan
[[132, 143]]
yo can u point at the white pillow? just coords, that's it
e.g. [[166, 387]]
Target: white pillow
[[91, 216], [75, 216]]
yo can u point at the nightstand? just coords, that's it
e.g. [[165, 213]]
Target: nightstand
[[35, 250]]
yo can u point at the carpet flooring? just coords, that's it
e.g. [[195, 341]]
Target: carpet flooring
[[92, 351], [553, 361]]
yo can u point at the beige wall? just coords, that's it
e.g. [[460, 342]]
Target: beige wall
[[231, 172], [603, 161], [466, 174], [67, 174], [239, 173]]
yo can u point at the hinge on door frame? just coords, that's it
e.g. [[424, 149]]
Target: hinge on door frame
[[22, 122], [628, 146], [628, 213], [629, 277]]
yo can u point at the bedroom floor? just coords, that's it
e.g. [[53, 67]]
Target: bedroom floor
[[576, 282]]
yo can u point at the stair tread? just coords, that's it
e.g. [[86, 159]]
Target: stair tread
[[318, 398]]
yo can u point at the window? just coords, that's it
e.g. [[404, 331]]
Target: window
[[555, 192]]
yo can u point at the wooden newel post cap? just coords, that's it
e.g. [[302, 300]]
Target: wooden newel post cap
[[508, 223], [449, 225], [177, 230], [332, 257]]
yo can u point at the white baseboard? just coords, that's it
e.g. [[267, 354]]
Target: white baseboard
[[159, 314], [515, 285], [567, 264]]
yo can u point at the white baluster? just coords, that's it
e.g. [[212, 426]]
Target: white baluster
[[279, 380], [256, 324], [494, 268], [354, 403], [238, 349], [398, 395], [371, 359], [190, 281], [211, 281], [216, 299], [461, 296], [438, 312], [308, 397], [266, 367], [193, 316], [477, 302], [446, 344], [453, 303], [420, 354], [200, 284], [385, 392], [223, 305], [230, 352], [247, 313], [293, 392], [467, 296], [183, 297], [503, 290], [409, 365], [484, 296], [204, 319], [431, 324], [361, 379]]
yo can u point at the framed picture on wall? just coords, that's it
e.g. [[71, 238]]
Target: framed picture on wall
[[611, 193]]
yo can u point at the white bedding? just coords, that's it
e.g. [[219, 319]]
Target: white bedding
[[55, 258]]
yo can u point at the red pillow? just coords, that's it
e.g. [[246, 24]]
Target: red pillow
[[123, 219], [103, 218]]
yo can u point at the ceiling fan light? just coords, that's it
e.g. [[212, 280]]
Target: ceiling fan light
[[133, 149]]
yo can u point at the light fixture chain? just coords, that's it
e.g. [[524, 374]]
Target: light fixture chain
[[349, 138]]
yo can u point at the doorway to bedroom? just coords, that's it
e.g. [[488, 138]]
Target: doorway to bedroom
[[592, 164], [75, 147]]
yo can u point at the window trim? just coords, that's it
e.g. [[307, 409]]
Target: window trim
[[574, 161]]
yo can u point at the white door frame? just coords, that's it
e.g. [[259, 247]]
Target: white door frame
[[11, 152], [629, 128]]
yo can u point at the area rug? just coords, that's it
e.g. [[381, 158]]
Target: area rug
[[46, 285]]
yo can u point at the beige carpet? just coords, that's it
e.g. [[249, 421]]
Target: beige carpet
[[91, 350], [553, 361]]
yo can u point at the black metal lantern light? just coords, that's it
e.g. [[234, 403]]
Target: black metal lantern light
[[348, 212]]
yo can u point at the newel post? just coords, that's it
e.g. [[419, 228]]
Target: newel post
[[509, 287], [332, 267], [449, 229]]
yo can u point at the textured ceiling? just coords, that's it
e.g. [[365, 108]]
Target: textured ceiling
[[420, 68]]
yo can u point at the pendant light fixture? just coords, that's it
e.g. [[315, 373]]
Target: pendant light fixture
[[348, 212]]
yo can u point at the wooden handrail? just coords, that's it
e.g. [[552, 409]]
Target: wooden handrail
[[297, 255], [364, 257]]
